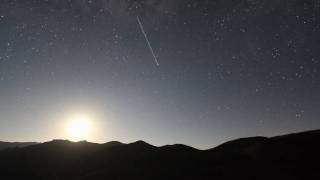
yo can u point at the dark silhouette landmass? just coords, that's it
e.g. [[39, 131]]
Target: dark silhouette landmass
[[288, 157], [4, 145]]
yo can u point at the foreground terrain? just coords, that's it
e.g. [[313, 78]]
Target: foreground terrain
[[293, 156]]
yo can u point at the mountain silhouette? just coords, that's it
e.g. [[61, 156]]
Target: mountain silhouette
[[293, 156], [4, 145]]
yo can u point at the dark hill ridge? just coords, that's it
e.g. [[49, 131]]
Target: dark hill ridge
[[4, 145], [293, 156]]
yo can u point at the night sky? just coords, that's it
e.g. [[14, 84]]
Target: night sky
[[227, 69]]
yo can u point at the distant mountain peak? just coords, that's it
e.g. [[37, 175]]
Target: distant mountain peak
[[112, 144], [178, 146], [141, 143]]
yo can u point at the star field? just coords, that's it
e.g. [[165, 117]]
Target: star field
[[227, 68]]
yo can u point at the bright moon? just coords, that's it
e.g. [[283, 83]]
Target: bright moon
[[79, 128]]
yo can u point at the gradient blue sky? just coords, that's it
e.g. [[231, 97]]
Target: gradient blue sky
[[228, 69]]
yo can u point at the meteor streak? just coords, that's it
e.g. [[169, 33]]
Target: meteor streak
[[148, 42]]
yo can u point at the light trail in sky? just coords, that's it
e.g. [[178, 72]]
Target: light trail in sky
[[148, 42]]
